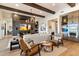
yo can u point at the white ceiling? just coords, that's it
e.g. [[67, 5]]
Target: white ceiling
[[54, 7]]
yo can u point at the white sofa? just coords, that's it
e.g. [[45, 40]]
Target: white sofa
[[37, 38]]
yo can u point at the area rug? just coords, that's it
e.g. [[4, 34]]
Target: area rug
[[56, 52], [4, 42]]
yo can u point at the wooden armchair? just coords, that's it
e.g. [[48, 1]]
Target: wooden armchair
[[28, 50]]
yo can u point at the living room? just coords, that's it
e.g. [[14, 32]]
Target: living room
[[51, 30]]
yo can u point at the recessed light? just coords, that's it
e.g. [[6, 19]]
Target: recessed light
[[40, 11], [15, 15], [34, 16], [53, 4], [17, 5], [15, 12]]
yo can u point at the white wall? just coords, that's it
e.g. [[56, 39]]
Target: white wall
[[42, 21], [1, 31], [5, 18], [57, 16], [8, 21], [53, 28]]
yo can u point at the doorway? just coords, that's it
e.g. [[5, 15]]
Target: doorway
[[52, 26]]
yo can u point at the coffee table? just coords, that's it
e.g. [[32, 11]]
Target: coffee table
[[47, 46]]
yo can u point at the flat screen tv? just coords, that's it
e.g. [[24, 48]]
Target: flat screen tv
[[23, 27]]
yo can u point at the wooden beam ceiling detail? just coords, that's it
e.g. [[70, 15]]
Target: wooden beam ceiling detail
[[40, 7], [20, 11], [71, 4]]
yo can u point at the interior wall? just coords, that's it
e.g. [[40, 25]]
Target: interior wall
[[5, 18], [51, 26], [8, 20], [42, 22], [15, 25], [58, 17], [1, 23]]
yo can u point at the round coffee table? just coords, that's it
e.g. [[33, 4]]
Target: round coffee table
[[47, 46]]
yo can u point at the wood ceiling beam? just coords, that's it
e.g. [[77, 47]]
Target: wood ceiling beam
[[71, 4], [21, 15], [40, 7], [20, 11]]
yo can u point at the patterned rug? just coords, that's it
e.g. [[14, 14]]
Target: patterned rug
[[4, 51]]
